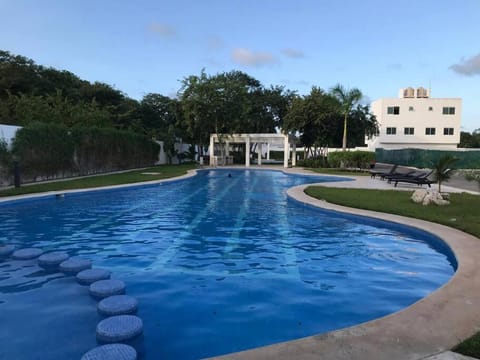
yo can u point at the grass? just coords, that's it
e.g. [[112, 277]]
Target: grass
[[129, 177], [463, 213], [470, 347]]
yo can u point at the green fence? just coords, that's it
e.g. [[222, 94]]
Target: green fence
[[422, 158]]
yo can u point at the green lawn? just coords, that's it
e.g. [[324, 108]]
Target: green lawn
[[164, 172], [463, 213]]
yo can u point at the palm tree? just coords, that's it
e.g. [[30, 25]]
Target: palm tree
[[443, 169], [347, 99]]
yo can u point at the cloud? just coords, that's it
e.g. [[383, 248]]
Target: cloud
[[165, 31], [250, 58], [292, 53], [467, 67]]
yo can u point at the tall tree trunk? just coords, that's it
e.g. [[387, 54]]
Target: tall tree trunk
[[344, 143]]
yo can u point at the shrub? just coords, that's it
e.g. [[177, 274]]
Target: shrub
[[5, 163], [44, 150], [49, 150], [351, 159]]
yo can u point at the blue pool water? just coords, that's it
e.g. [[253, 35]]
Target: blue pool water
[[219, 264]]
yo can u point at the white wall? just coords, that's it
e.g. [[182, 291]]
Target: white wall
[[415, 113], [7, 133], [162, 157]]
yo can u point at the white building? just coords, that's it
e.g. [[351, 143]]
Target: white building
[[415, 120]]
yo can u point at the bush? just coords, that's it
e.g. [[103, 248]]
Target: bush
[[316, 162], [5, 163], [44, 150], [50, 150], [351, 159]]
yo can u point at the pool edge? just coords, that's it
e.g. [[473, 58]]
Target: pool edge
[[431, 325]]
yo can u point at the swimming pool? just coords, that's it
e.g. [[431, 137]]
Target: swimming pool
[[218, 264]]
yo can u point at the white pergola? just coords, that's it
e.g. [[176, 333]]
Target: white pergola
[[288, 142]]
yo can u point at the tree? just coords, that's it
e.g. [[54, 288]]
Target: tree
[[314, 116], [443, 169], [468, 140], [158, 113], [225, 103], [347, 99]]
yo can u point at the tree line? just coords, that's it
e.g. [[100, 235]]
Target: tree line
[[229, 102]]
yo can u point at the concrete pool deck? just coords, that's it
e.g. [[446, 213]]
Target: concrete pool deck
[[424, 330]]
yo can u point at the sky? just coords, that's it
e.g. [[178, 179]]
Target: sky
[[146, 46]]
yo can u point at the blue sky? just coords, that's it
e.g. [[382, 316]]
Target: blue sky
[[150, 46]]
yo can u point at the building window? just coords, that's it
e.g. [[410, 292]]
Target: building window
[[408, 131], [391, 130], [429, 131], [430, 108], [410, 108], [393, 110], [447, 131], [448, 110]]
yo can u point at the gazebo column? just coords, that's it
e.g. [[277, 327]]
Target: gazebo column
[[268, 151], [227, 152], [260, 145], [294, 154], [286, 151], [211, 150], [247, 152]]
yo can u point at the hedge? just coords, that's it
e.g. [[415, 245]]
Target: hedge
[[351, 159], [5, 163], [46, 150], [422, 158]]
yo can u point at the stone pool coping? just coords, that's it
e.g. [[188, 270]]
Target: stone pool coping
[[59, 193], [430, 326]]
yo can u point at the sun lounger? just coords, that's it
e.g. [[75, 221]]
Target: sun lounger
[[420, 180], [382, 173], [401, 174]]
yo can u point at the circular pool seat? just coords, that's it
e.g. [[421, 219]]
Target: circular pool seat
[[52, 259], [118, 305], [6, 250], [74, 265], [89, 276], [105, 288], [119, 328], [27, 253], [111, 352]]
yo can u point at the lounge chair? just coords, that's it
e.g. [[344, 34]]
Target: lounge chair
[[421, 179], [382, 173], [396, 174]]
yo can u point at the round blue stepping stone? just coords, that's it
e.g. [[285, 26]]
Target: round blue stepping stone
[[6, 250], [119, 328], [111, 352], [52, 259], [118, 305], [89, 276], [27, 254], [105, 288], [74, 265]]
